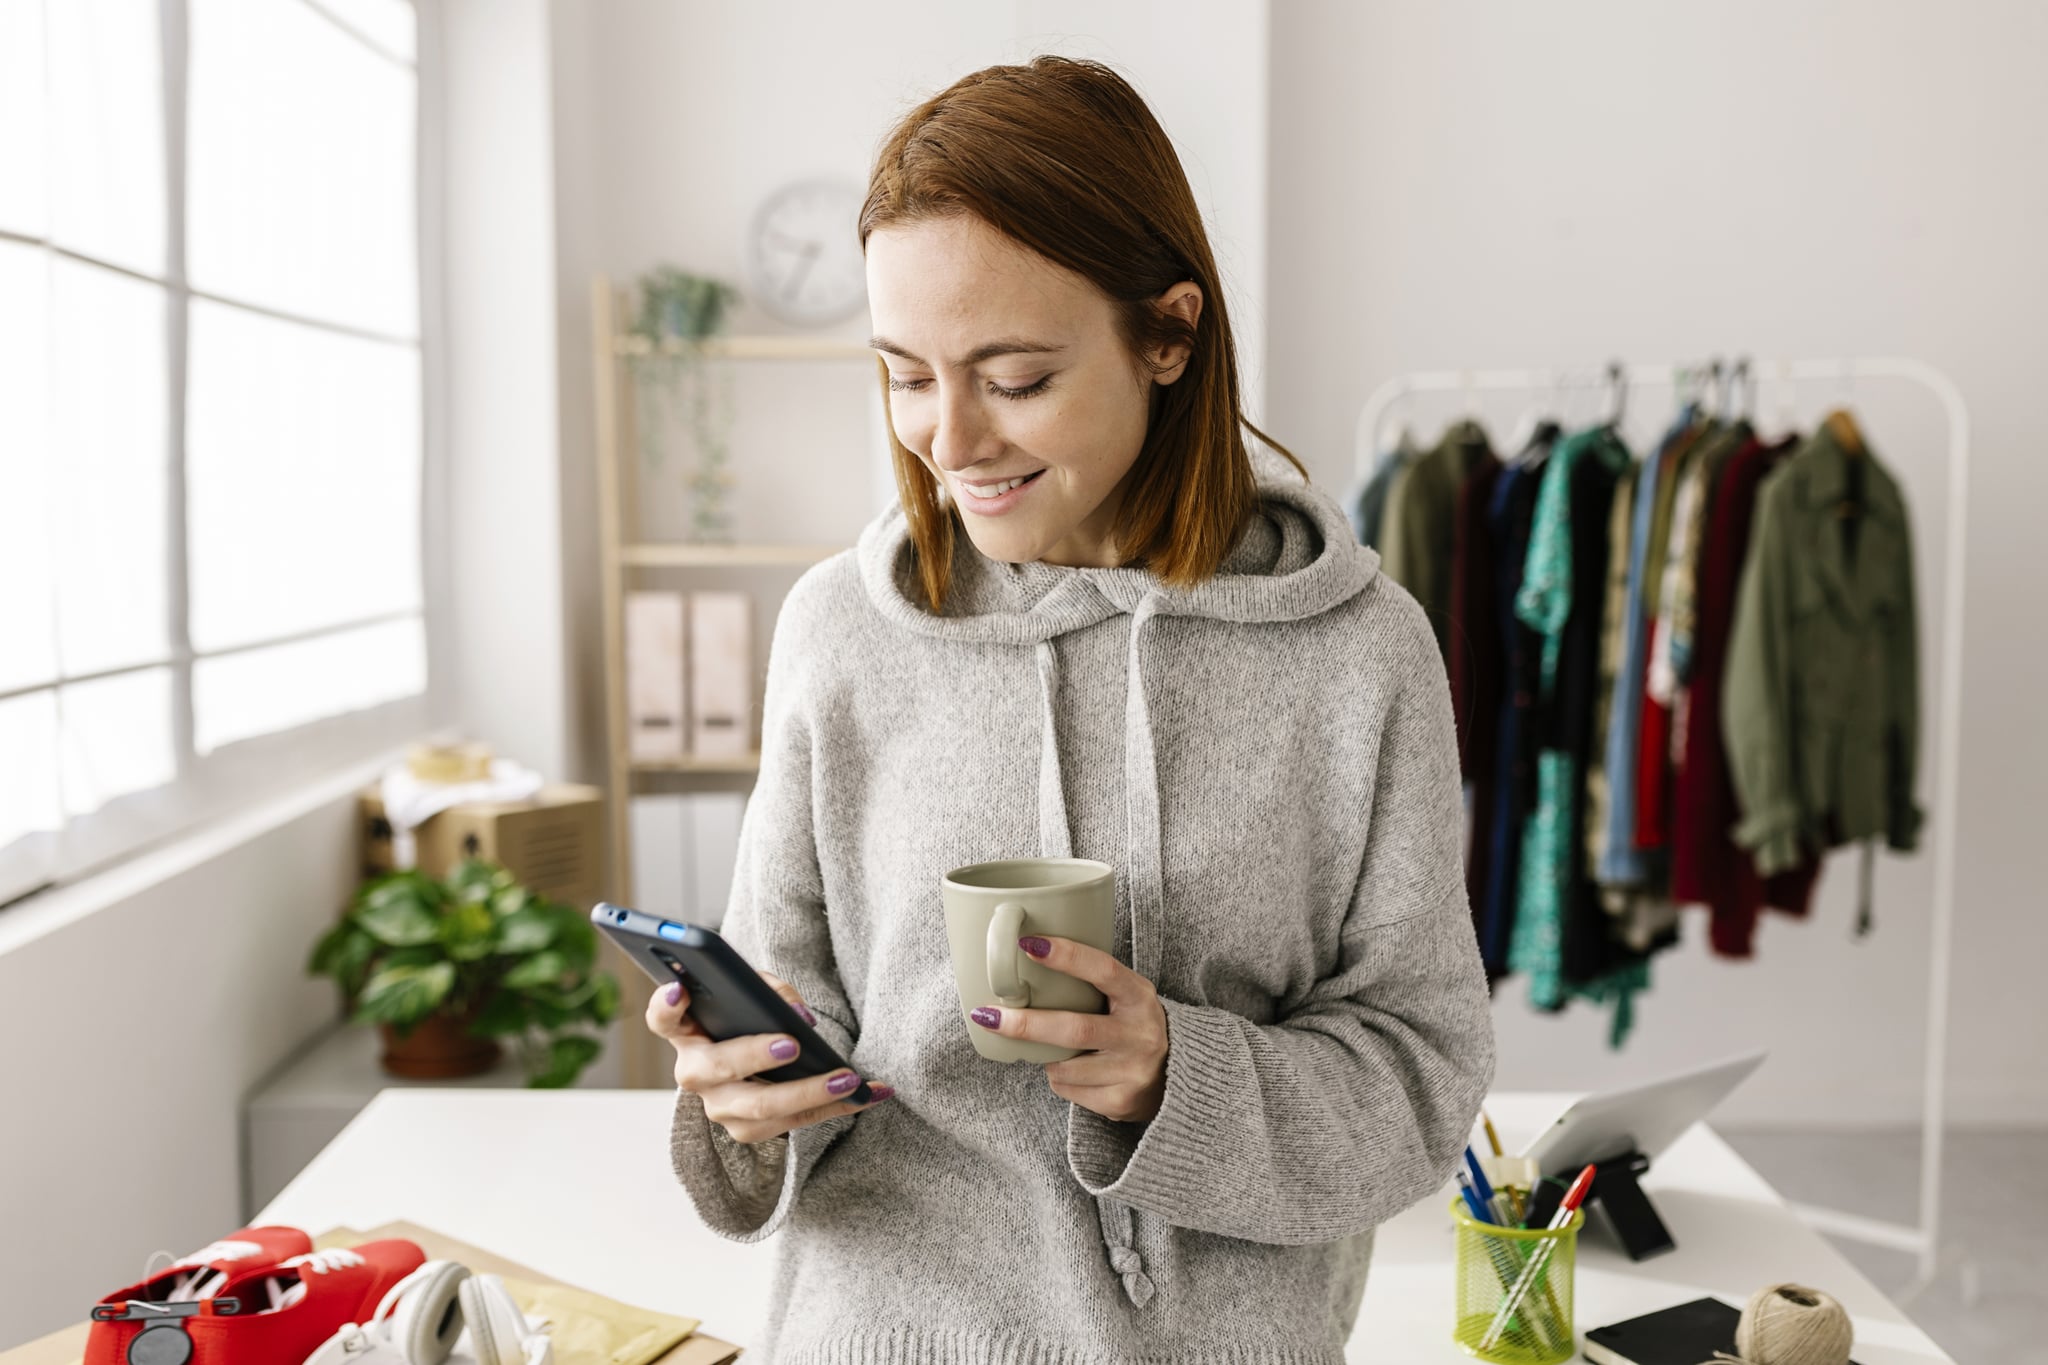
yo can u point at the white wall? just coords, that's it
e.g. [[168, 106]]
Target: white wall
[[141, 1007], [1463, 184], [503, 471]]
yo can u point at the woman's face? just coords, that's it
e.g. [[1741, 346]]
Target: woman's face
[[1003, 365]]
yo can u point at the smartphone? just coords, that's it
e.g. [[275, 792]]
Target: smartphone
[[728, 998]]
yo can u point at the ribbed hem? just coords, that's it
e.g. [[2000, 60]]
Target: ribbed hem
[[946, 1346]]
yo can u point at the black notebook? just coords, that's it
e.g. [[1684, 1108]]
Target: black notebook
[[1685, 1335]]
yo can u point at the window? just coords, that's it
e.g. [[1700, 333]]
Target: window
[[211, 452]]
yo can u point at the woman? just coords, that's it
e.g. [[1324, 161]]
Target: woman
[[1144, 653]]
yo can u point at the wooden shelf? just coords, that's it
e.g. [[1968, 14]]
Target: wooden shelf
[[682, 553], [751, 348], [741, 763]]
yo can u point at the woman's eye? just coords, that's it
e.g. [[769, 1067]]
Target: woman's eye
[[995, 390]]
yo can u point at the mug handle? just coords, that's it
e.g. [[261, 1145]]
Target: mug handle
[[1004, 977]]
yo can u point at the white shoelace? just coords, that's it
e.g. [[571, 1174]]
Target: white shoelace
[[313, 1262], [203, 1280]]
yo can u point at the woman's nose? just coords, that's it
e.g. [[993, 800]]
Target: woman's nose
[[960, 437]]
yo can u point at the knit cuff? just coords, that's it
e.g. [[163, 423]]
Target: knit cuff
[[744, 1191], [1156, 1166]]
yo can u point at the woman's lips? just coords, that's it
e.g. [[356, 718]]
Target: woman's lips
[[995, 506]]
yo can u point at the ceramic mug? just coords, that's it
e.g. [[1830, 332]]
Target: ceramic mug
[[989, 905]]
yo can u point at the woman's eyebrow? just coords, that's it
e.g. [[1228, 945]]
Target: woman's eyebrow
[[1000, 346]]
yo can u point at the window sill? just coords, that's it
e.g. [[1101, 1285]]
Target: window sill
[[46, 912]]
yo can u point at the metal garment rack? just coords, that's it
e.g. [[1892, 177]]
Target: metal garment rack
[[1922, 1238]]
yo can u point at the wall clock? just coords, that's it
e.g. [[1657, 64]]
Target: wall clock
[[804, 260]]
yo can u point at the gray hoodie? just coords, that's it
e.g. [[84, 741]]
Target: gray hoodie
[[1268, 761]]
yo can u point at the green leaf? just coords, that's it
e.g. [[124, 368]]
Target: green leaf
[[405, 995], [542, 969], [479, 880], [605, 1002], [566, 1058], [468, 932], [575, 939], [344, 954], [505, 1012], [398, 915], [526, 931]]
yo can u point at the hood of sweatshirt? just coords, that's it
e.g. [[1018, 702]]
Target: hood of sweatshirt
[[1296, 557]]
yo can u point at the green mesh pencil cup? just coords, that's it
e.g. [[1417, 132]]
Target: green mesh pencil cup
[[1514, 1291]]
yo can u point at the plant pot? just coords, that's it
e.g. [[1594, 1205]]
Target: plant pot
[[439, 1048]]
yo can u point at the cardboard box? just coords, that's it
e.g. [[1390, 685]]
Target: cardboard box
[[67, 1347], [553, 843]]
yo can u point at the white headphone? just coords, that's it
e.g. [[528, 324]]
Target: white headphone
[[420, 1318]]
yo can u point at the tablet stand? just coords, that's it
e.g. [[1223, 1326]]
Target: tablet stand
[[1615, 1189]]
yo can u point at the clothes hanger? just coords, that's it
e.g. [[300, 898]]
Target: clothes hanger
[[1617, 383], [1742, 388]]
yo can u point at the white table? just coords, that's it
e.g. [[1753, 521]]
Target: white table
[[577, 1184]]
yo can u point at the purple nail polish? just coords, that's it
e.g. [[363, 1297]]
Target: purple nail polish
[[1034, 945], [986, 1017], [674, 993], [880, 1091], [842, 1083], [784, 1048], [805, 1011]]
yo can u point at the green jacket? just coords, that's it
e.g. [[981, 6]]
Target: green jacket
[[1820, 706]]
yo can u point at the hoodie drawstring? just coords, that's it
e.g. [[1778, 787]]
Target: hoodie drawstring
[[1142, 876]]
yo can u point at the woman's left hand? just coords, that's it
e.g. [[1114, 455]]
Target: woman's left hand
[[1121, 1071]]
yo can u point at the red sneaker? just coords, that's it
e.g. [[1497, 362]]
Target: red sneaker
[[195, 1277], [289, 1308]]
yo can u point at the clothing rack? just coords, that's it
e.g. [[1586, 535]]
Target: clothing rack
[[1922, 1238]]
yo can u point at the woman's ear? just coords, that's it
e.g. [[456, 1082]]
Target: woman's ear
[[1184, 298]]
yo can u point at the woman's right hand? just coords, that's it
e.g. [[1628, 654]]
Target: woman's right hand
[[717, 1073]]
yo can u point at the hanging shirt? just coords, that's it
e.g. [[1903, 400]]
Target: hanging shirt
[[1707, 867], [1566, 545], [1822, 703], [1622, 864], [1421, 511]]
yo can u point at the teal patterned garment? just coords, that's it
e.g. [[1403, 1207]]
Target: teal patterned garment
[[1544, 604]]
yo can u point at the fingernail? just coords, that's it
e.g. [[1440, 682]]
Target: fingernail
[[805, 1011], [1034, 945], [785, 1048], [986, 1017], [842, 1083], [880, 1091], [674, 993]]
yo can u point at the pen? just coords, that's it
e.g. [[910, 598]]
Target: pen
[[1473, 1202], [1520, 1290], [1503, 1264], [1479, 1180], [1496, 1207], [1492, 1138]]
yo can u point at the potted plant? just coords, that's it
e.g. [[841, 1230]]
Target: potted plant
[[677, 311], [451, 967]]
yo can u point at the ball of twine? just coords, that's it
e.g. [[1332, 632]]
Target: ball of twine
[[1790, 1324]]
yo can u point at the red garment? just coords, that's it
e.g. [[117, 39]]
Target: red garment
[[1707, 867]]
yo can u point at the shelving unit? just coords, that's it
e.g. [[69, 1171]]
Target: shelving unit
[[644, 1060]]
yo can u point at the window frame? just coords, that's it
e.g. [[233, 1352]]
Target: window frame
[[237, 777]]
